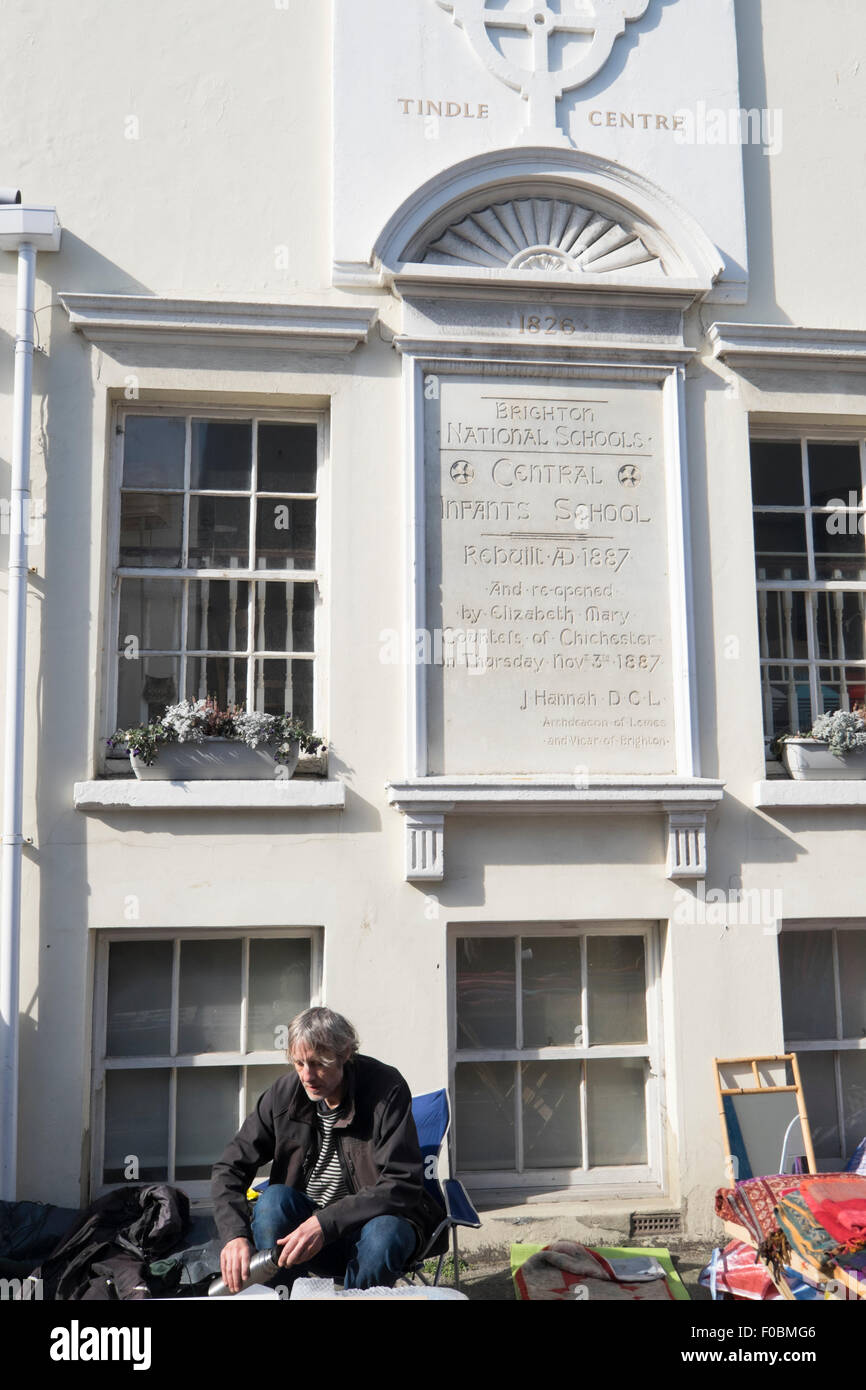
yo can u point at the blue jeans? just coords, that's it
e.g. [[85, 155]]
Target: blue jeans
[[373, 1256]]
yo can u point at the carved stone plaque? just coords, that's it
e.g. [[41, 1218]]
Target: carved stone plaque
[[548, 637]]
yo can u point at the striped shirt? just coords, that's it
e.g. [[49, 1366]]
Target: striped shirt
[[326, 1180]]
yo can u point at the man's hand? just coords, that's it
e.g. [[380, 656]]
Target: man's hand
[[302, 1244], [235, 1262]]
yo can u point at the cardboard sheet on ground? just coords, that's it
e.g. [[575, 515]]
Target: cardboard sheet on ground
[[521, 1253]]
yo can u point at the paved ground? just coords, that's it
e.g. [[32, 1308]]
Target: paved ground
[[491, 1282]]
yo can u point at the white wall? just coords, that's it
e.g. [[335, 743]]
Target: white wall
[[233, 161]]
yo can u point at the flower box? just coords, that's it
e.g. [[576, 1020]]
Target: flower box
[[809, 760], [216, 759]]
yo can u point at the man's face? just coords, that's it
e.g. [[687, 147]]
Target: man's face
[[321, 1077]]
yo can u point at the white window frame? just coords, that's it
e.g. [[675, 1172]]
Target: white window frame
[[810, 588], [628, 1180], [189, 411], [836, 1045], [198, 1190]]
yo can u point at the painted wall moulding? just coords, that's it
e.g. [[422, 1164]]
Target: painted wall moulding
[[316, 328]]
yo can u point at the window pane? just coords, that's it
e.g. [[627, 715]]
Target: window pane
[[780, 546], [219, 615], [222, 455], [839, 547], [616, 1111], [150, 611], [486, 985], [484, 1113], [224, 678], [153, 450], [287, 458], [279, 989], [210, 996], [151, 529], [219, 532], [787, 699], [136, 1124], [841, 621], [259, 1080], [777, 474], [808, 991], [550, 1092], [551, 992], [616, 970], [839, 686], [853, 1067], [834, 473], [207, 1118], [285, 687], [145, 687], [285, 534], [852, 981], [818, 1075], [139, 999], [285, 617], [782, 624]]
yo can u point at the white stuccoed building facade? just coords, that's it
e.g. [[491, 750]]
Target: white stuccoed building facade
[[401, 363]]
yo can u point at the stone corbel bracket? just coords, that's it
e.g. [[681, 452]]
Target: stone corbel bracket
[[425, 802]]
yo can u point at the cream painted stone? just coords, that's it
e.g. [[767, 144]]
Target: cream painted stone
[[547, 578], [649, 90]]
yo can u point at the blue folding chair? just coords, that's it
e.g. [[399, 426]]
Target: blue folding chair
[[432, 1118]]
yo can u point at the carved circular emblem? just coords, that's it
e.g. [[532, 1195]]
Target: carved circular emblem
[[541, 258], [630, 475], [540, 75], [462, 471]]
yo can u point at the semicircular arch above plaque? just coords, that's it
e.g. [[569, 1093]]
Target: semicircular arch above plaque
[[546, 234], [537, 212]]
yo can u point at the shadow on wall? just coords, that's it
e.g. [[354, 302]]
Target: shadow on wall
[[622, 51], [763, 306], [78, 266]]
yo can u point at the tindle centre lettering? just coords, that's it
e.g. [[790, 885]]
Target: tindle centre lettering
[[637, 120], [449, 110]]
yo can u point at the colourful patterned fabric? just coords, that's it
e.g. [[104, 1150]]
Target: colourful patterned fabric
[[838, 1202], [801, 1233], [752, 1204]]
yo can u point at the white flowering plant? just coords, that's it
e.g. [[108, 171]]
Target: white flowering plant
[[842, 731], [194, 721]]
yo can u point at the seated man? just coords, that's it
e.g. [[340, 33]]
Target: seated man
[[346, 1195]]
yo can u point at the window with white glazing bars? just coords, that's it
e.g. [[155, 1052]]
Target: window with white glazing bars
[[823, 973], [810, 554], [216, 580], [554, 1056], [189, 1030]]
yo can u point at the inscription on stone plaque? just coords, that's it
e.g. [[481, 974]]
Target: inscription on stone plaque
[[547, 573]]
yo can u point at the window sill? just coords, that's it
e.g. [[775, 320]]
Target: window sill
[[784, 793], [126, 794]]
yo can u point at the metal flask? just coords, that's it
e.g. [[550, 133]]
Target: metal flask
[[263, 1266]]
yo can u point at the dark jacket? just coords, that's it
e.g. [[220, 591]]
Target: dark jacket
[[378, 1148], [106, 1253]]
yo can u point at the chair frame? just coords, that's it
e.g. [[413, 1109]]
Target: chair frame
[[449, 1221]]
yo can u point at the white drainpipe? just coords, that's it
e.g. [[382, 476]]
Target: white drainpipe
[[25, 230]]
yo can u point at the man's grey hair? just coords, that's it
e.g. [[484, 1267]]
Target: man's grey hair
[[329, 1034]]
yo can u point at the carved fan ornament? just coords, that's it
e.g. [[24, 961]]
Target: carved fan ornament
[[540, 234]]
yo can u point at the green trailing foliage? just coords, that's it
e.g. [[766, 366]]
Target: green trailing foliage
[[195, 721]]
